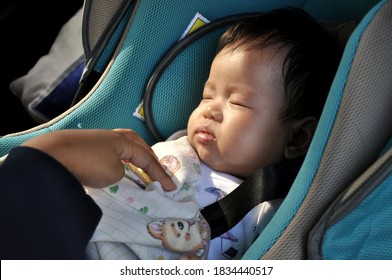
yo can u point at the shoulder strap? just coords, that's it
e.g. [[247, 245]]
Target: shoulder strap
[[227, 212], [270, 183]]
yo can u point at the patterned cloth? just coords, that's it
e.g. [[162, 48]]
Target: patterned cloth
[[152, 223], [138, 217]]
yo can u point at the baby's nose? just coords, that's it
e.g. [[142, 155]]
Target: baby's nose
[[213, 112]]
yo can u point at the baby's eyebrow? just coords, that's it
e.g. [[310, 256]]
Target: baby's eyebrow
[[210, 86], [243, 89]]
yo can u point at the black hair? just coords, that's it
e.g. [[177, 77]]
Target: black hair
[[312, 55]]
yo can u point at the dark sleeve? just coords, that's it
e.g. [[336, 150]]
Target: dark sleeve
[[45, 212]]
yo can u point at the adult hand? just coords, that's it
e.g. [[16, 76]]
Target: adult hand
[[95, 156]]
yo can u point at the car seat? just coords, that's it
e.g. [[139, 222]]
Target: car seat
[[136, 57]]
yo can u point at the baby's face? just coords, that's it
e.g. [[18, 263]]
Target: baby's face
[[236, 127]]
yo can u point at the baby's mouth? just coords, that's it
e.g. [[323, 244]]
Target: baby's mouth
[[205, 136]]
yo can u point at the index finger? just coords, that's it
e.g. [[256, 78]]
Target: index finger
[[150, 165], [132, 136], [140, 154]]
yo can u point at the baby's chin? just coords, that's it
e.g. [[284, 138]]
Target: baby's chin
[[234, 170], [209, 155], [216, 164]]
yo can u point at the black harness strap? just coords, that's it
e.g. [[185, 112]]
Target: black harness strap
[[267, 184], [227, 212]]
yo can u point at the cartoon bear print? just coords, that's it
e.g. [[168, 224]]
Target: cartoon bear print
[[180, 235]]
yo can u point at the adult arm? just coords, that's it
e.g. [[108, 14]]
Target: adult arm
[[95, 156], [45, 212]]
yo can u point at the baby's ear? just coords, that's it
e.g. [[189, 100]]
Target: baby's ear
[[302, 134]]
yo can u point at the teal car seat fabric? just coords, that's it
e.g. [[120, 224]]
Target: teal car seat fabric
[[354, 128], [357, 226]]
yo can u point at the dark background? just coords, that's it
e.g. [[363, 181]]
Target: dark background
[[27, 31]]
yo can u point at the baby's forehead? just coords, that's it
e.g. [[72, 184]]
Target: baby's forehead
[[260, 43], [253, 62], [275, 53]]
